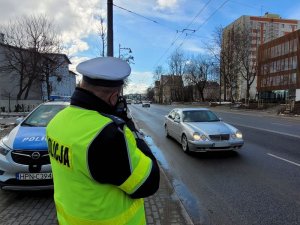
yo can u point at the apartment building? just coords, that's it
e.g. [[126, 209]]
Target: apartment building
[[278, 77], [262, 29]]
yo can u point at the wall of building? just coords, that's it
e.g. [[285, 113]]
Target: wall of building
[[263, 29], [9, 85], [18, 106], [278, 65], [297, 95]]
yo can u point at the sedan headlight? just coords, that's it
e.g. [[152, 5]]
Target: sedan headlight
[[237, 134], [199, 137], [3, 149]]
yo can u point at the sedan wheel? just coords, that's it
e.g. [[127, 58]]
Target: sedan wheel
[[167, 132], [184, 144]]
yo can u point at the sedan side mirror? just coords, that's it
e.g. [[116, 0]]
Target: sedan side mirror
[[177, 120], [220, 119], [19, 120]]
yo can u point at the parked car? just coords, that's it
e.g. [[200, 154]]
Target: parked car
[[145, 104], [24, 159], [200, 130]]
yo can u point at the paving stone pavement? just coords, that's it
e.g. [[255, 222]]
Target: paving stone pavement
[[164, 207], [37, 208]]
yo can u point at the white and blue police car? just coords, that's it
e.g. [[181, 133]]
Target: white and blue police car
[[24, 159]]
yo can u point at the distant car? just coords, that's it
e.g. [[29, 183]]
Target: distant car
[[24, 159], [145, 104], [128, 101], [200, 130]]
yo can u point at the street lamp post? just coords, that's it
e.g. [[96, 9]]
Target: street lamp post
[[120, 48], [127, 59]]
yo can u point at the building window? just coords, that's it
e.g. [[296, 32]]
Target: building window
[[293, 78]]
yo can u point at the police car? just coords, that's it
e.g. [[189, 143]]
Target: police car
[[24, 159]]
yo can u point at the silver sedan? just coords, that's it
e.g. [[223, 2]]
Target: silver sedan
[[200, 130]]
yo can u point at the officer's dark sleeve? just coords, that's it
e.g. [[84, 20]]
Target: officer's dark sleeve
[[108, 161], [155, 175], [148, 187]]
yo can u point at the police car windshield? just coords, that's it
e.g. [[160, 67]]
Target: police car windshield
[[42, 115]]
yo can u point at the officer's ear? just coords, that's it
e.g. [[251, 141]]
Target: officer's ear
[[113, 99]]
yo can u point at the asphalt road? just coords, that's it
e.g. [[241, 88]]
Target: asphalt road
[[258, 185]]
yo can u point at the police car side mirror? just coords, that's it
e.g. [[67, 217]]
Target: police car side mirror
[[19, 120]]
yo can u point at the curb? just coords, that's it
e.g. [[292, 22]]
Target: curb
[[185, 214]]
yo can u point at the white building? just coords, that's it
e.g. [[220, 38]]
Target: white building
[[62, 84]]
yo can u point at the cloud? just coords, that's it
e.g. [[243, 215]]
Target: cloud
[[133, 88], [171, 4], [194, 47], [74, 19], [139, 82], [75, 61], [76, 46]]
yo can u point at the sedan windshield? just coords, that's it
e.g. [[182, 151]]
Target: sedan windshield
[[42, 115], [199, 116]]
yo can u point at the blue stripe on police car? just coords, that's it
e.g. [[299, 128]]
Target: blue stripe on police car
[[30, 138]]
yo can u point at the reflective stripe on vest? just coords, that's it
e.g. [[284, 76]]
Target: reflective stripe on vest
[[128, 217], [140, 173]]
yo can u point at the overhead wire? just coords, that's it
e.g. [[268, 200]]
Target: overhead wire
[[178, 33], [178, 36], [205, 21], [135, 13]]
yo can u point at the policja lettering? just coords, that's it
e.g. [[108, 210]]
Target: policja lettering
[[59, 152]]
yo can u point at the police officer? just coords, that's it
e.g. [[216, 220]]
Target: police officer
[[101, 169]]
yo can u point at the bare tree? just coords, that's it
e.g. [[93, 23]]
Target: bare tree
[[177, 63], [150, 93], [158, 72], [247, 58], [31, 45], [157, 75], [197, 74], [229, 64], [226, 61], [102, 32]]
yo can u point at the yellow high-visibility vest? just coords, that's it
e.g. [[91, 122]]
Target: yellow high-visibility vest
[[79, 199]]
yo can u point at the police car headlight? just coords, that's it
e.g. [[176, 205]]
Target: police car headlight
[[3, 149]]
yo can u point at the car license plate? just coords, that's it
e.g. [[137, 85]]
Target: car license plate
[[34, 176], [221, 144]]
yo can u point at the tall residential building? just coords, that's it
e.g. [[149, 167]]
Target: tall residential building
[[261, 29]]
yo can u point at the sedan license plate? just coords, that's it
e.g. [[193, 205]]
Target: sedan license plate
[[34, 176], [221, 144]]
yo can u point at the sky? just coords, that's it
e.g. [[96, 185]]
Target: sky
[[152, 29]]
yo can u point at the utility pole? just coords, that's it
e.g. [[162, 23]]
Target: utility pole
[[110, 32]]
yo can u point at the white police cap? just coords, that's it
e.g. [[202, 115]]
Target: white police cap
[[104, 71]]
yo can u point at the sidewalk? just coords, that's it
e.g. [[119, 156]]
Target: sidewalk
[[165, 208]]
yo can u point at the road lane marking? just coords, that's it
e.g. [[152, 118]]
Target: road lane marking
[[275, 156], [271, 131], [281, 124]]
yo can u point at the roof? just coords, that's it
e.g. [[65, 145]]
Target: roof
[[193, 109]]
